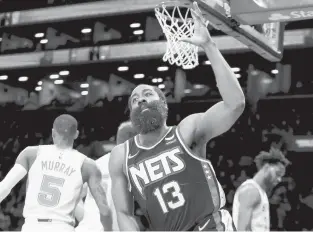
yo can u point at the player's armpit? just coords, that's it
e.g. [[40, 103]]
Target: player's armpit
[[11, 179], [202, 127], [249, 198], [93, 177], [122, 198]]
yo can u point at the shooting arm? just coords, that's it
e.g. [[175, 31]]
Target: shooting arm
[[122, 198], [94, 181], [249, 198], [221, 116], [17, 172]]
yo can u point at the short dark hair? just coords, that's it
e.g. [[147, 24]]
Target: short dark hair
[[65, 125], [274, 156], [157, 90], [124, 132]]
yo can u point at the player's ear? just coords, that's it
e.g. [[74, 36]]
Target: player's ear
[[267, 166], [76, 135], [53, 133], [272, 169]]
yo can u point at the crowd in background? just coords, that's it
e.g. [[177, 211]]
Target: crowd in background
[[291, 201]]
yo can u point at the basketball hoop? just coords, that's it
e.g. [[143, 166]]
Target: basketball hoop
[[176, 25]]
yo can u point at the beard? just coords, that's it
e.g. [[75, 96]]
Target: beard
[[270, 183], [149, 117]]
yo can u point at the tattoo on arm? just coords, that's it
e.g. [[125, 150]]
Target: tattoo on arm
[[101, 195]]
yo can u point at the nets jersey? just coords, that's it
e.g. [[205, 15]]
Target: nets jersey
[[175, 189], [54, 185], [91, 218], [260, 220]]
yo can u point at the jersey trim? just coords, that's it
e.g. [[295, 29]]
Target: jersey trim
[[215, 192], [126, 145], [32, 161], [153, 146]]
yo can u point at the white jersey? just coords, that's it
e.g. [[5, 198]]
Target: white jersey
[[54, 185], [91, 219], [260, 220]]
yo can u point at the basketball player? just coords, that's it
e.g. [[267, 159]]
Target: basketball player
[[251, 205], [56, 174], [165, 168], [91, 217]]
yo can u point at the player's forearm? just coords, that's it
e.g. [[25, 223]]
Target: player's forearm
[[101, 200], [226, 80], [126, 222], [4, 192], [12, 178], [106, 221]]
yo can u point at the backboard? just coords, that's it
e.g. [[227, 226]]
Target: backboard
[[261, 11], [265, 39]]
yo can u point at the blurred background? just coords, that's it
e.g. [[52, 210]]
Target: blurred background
[[85, 57]]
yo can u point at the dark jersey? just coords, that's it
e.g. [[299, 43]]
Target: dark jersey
[[175, 189]]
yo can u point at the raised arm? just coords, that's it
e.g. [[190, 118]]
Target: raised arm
[[249, 199], [122, 198], [17, 172], [93, 177], [220, 117]]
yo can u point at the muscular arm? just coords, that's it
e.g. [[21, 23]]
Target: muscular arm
[[17, 172], [122, 198], [249, 198], [93, 177], [220, 117]]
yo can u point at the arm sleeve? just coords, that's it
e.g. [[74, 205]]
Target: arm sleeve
[[11, 179]]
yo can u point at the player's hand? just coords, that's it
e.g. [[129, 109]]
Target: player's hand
[[201, 34]]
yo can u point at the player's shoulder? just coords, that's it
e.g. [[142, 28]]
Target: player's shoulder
[[27, 156], [30, 151], [89, 163], [89, 167], [249, 192], [119, 151], [117, 157], [189, 121]]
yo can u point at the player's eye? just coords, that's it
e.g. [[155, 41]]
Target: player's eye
[[134, 100], [148, 94]]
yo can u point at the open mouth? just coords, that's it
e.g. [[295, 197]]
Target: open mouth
[[144, 108]]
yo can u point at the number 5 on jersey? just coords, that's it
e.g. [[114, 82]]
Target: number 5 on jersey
[[50, 193], [178, 198]]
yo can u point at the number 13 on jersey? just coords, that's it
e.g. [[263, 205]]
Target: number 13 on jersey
[[178, 198]]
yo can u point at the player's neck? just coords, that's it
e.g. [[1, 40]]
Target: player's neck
[[63, 147], [259, 178], [153, 137]]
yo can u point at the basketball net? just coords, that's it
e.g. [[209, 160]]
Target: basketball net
[[176, 26]]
